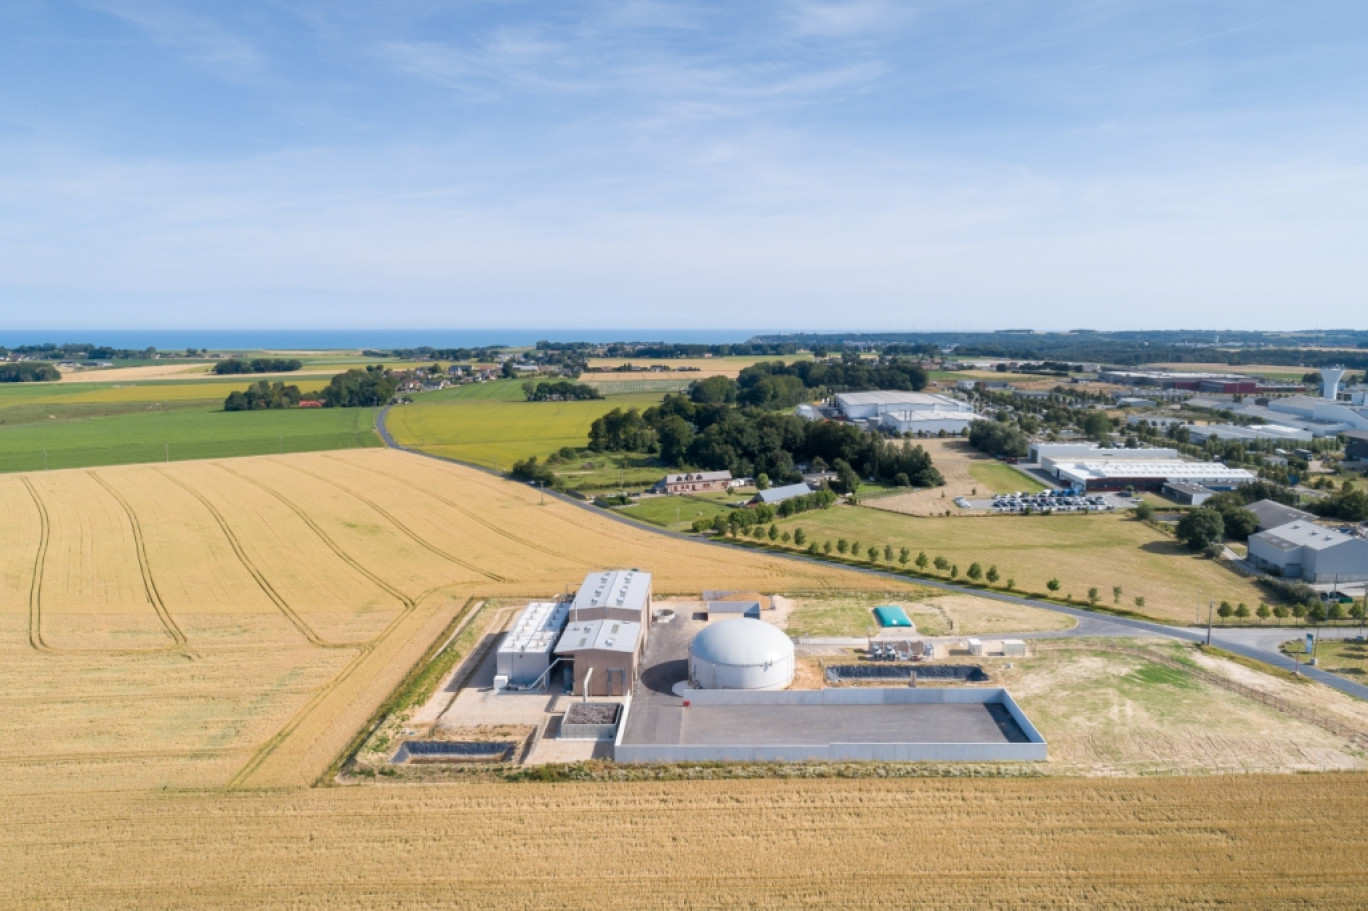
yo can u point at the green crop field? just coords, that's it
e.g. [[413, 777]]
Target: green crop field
[[489, 424], [175, 435], [1001, 478], [1098, 551]]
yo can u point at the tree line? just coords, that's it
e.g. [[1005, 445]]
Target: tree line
[[261, 396], [353, 389], [28, 372], [234, 365], [558, 391]]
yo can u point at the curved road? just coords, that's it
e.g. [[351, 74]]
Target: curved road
[[1259, 644]]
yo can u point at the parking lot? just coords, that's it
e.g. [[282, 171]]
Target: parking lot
[[1054, 501]]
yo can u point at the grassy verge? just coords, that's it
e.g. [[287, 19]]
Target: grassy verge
[[999, 478], [1260, 666]]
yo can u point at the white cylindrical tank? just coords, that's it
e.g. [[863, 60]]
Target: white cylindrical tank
[[742, 654]]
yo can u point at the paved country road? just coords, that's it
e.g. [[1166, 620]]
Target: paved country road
[[1259, 644]]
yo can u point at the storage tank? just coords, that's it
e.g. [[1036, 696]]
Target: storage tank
[[742, 654]]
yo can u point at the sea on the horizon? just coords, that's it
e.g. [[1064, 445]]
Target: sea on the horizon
[[345, 339]]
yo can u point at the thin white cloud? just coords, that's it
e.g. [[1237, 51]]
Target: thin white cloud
[[199, 38]]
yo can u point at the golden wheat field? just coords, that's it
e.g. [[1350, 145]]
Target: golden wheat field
[[199, 624], [186, 648]]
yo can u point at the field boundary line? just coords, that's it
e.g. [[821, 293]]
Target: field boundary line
[[233, 541], [149, 582], [480, 520], [470, 610], [399, 526], [263, 752], [407, 602], [35, 618]]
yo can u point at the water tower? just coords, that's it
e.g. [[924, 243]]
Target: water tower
[[1330, 381]]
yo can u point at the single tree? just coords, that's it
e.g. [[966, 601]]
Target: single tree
[[762, 481], [799, 537], [1242, 611], [922, 561], [1336, 611], [1145, 511], [1281, 612], [842, 545], [974, 572], [1200, 527], [941, 564], [1263, 612], [888, 553], [773, 532], [826, 547], [992, 575], [1053, 585], [785, 537], [1010, 585], [873, 553], [954, 571], [1139, 600], [1225, 610], [904, 555], [1092, 596], [812, 548], [855, 549], [1116, 594], [1299, 611]]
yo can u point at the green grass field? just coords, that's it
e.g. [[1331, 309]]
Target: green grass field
[[677, 512], [154, 436], [1099, 551], [1000, 478], [489, 424]]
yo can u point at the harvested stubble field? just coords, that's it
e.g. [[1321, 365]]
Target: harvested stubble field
[[1081, 551], [143, 771]]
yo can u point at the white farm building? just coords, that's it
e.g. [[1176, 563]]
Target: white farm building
[[525, 652], [742, 654]]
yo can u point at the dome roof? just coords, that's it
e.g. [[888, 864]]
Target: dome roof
[[741, 643]]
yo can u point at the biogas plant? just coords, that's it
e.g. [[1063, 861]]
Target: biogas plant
[[612, 672]]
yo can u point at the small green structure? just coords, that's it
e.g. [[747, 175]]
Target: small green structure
[[890, 615]]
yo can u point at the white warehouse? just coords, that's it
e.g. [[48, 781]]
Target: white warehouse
[[1301, 550], [742, 654], [930, 422], [860, 406]]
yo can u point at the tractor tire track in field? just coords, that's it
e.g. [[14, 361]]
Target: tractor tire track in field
[[264, 751], [399, 526], [480, 520], [407, 602], [149, 583], [262, 582], [35, 619]]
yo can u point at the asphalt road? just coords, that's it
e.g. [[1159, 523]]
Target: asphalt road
[[1258, 644]]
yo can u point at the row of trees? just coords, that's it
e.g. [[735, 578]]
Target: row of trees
[[261, 396], [234, 365], [558, 391], [28, 372]]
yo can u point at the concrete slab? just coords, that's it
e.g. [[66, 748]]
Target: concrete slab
[[768, 725]]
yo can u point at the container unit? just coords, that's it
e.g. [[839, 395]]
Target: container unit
[[527, 648]]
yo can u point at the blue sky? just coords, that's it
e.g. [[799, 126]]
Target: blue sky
[[804, 165]]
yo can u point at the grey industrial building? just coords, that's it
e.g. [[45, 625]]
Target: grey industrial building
[[1313, 553], [1271, 514]]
